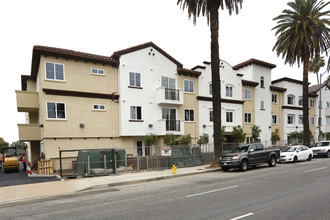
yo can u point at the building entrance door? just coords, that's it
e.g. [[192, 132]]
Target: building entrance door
[[139, 148]]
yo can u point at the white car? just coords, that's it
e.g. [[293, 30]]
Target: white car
[[296, 153], [322, 148]]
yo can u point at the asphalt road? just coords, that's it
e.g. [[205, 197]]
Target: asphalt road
[[287, 191], [19, 178]]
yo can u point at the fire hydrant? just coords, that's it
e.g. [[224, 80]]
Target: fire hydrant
[[174, 169]]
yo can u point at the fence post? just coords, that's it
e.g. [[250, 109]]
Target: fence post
[[115, 168], [61, 163], [148, 163], [105, 164], [126, 169], [88, 166], [137, 163]]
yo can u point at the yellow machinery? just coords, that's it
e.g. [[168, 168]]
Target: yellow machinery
[[10, 162]]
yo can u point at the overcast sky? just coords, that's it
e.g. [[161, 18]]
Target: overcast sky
[[104, 26]]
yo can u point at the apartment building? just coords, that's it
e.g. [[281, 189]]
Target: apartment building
[[292, 110], [323, 110]]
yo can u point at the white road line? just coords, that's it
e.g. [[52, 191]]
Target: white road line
[[242, 216], [315, 169], [216, 190]]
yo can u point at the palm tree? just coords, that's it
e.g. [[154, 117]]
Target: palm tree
[[302, 33], [315, 64], [210, 9]]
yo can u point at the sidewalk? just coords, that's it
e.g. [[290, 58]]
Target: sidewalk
[[20, 193]]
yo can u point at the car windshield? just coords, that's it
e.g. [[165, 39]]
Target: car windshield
[[289, 149], [322, 144], [241, 148]]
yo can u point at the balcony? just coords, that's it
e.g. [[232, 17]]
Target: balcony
[[27, 101], [175, 127], [170, 96], [29, 132]]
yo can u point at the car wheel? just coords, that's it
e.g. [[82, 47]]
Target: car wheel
[[224, 169], [272, 162], [328, 154], [244, 166], [295, 159], [309, 157]]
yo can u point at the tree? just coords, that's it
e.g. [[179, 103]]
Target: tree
[[223, 137], [150, 139], [275, 136], [238, 134], [210, 9], [203, 139], [186, 139], [169, 139], [3, 143], [314, 66], [18, 144], [255, 133], [302, 33]]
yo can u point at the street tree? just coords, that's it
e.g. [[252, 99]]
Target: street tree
[[255, 133], [238, 134], [210, 9], [275, 137], [3, 143], [302, 32]]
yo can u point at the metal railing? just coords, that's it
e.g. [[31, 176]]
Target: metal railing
[[172, 94], [172, 125]]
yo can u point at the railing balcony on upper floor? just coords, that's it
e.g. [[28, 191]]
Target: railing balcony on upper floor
[[170, 96]]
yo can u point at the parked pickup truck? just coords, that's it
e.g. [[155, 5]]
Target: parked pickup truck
[[247, 155], [321, 148]]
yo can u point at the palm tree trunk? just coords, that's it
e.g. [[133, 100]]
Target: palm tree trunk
[[216, 86], [305, 100]]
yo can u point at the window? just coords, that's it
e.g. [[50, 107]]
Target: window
[[328, 120], [247, 117], [300, 119], [55, 110], [135, 113], [300, 101], [274, 98], [290, 100], [168, 82], [54, 71], [328, 104], [274, 119], [99, 107], [248, 140], [229, 116], [210, 88], [211, 115], [188, 86], [247, 94], [229, 91], [262, 105], [290, 119], [312, 103], [97, 71], [262, 82], [312, 120], [135, 79], [189, 115]]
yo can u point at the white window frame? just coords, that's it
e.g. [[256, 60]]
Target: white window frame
[[210, 88], [312, 121], [327, 120], [190, 86], [99, 106], [211, 115], [99, 72], [56, 114], [54, 79], [135, 113], [229, 91], [232, 116], [245, 117], [274, 118], [274, 96], [262, 105], [292, 97], [300, 119], [300, 101], [189, 110], [312, 103], [247, 94], [292, 119], [134, 79]]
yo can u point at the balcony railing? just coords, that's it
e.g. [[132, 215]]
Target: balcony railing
[[27, 101], [29, 132], [172, 125], [172, 94]]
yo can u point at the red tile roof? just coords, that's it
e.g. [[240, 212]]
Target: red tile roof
[[192, 73], [116, 55], [254, 61]]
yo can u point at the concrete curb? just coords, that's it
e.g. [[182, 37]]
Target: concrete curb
[[129, 182]]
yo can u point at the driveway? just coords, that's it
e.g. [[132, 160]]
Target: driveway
[[19, 178]]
